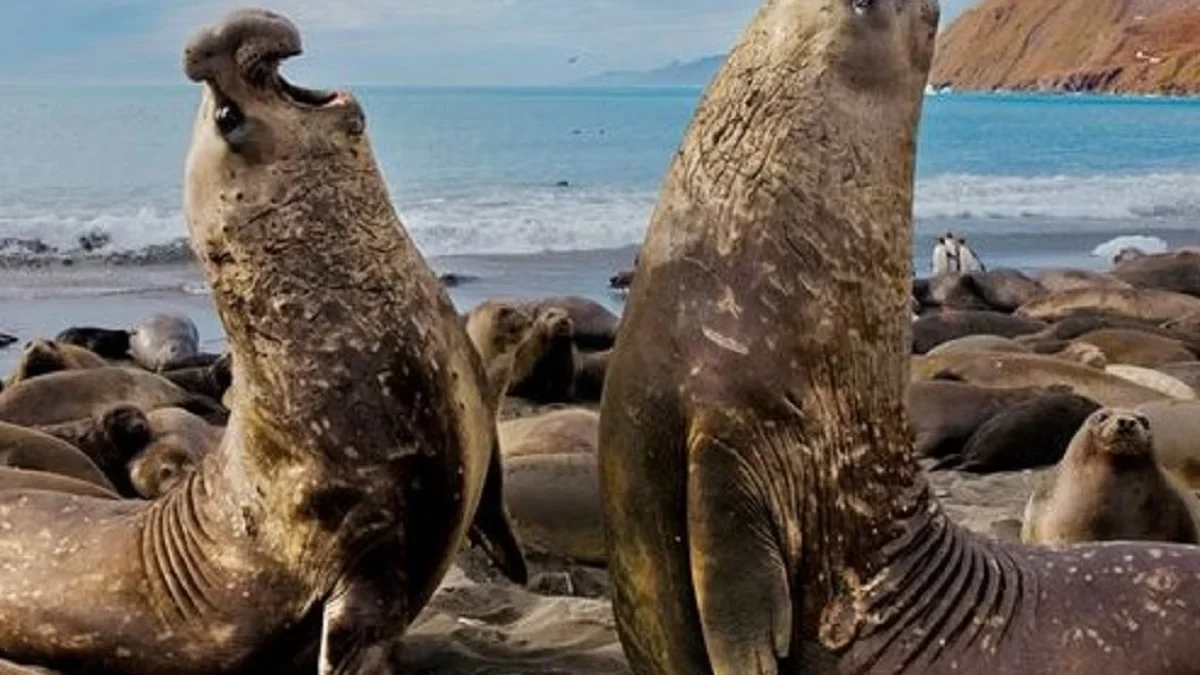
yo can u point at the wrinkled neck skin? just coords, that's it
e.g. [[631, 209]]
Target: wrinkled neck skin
[[809, 217], [326, 309]]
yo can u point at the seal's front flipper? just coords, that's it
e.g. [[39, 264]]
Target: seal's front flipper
[[364, 616], [738, 572], [492, 529]]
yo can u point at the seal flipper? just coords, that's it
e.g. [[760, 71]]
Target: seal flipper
[[364, 616], [738, 571], [493, 530]]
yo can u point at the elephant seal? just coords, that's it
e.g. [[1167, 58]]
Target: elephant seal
[[999, 369], [210, 381], [594, 326], [1137, 348], [1027, 435], [554, 500], [22, 480], [1176, 426], [361, 448], [76, 394], [110, 439], [1059, 280], [552, 377], [979, 343], [1187, 372], [498, 331], [1138, 303], [569, 431], [944, 414], [1002, 290], [1109, 487], [590, 370], [178, 443], [1153, 379], [1177, 271], [25, 448], [1083, 353], [111, 344], [41, 357], [930, 331], [162, 340], [764, 512]]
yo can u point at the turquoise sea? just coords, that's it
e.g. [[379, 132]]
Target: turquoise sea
[[546, 190]]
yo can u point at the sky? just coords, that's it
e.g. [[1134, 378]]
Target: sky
[[423, 42]]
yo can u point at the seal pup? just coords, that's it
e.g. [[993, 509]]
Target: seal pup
[[1109, 487], [763, 509], [41, 357], [112, 344], [361, 447], [163, 339], [1027, 435], [110, 439]]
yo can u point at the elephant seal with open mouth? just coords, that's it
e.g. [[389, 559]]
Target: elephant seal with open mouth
[[764, 510], [360, 450]]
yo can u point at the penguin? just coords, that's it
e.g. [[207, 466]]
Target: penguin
[[945, 255], [968, 262]]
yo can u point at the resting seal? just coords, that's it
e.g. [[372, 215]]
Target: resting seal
[[979, 343], [75, 394], [210, 381], [361, 446], [1153, 379], [1137, 303], [41, 357], [1177, 271], [112, 344], [178, 443], [1176, 426], [594, 326], [1027, 435], [944, 414], [1109, 486], [1059, 280], [763, 510], [162, 340], [110, 439], [930, 331], [1137, 348], [25, 448]]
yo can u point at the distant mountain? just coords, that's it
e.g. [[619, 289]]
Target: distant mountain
[[1134, 46], [677, 73]]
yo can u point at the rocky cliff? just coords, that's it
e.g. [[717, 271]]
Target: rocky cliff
[[1127, 46]]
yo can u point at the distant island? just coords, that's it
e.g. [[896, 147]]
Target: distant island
[[677, 73], [1110, 46]]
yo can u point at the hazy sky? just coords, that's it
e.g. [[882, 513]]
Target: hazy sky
[[361, 41]]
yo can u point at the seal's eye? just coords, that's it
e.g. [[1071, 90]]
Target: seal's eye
[[1102, 416], [231, 123], [1144, 421], [861, 6]]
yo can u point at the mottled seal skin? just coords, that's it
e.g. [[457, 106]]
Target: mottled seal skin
[[42, 357], [1138, 303], [1136, 347], [110, 439], [76, 394], [943, 415], [1027, 435], [112, 344], [932, 330], [764, 512], [162, 340], [1177, 271], [34, 450], [360, 447], [1001, 369], [1109, 487]]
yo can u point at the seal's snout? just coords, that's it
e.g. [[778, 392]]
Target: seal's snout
[[243, 40]]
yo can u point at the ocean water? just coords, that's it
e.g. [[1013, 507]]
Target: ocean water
[[547, 190]]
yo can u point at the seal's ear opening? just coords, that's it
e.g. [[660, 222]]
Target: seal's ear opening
[[492, 530]]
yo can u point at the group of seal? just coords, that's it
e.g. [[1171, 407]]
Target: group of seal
[[360, 452], [764, 511]]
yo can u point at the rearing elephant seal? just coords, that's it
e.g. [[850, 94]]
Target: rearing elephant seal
[[764, 512], [360, 447]]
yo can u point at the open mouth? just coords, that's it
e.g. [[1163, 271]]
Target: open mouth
[[265, 73], [316, 98]]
